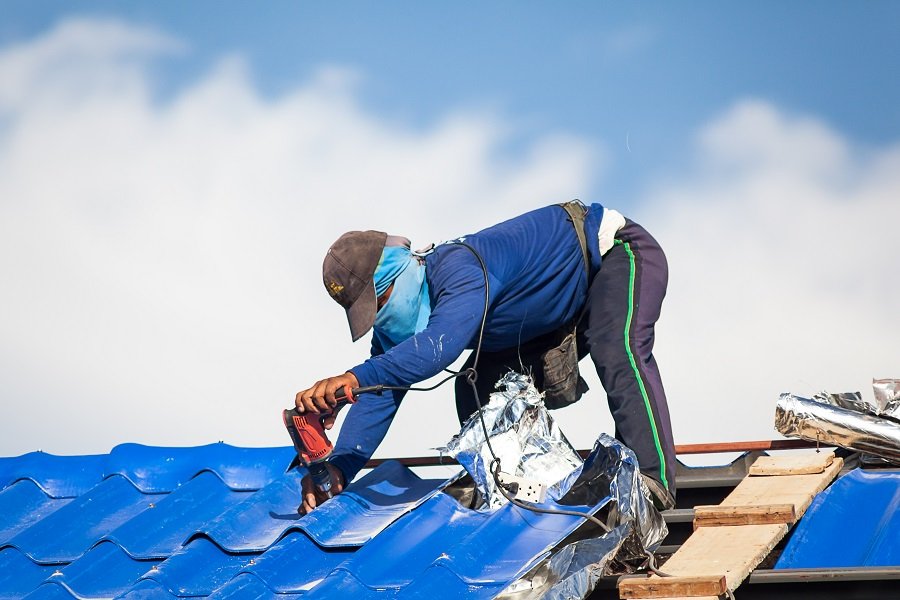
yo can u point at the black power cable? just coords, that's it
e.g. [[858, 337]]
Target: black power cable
[[471, 375]]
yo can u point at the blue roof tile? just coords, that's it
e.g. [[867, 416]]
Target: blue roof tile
[[344, 584], [153, 469], [22, 504], [58, 476], [441, 581], [146, 589], [367, 506], [197, 569], [295, 564], [51, 591], [255, 524], [247, 585], [102, 572], [167, 524], [853, 523], [482, 551], [410, 541], [19, 574], [67, 533], [221, 522]]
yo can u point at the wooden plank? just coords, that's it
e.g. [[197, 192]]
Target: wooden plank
[[798, 490], [669, 587], [734, 551], [730, 551], [712, 516], [800, 464]]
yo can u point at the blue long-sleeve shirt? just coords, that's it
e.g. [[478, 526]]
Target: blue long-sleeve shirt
[[537, 284]]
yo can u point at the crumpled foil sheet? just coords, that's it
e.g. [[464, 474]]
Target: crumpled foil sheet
[[849, 400], [887, 397], [572, 571], [524, 436], [530, 444], [830, 424], [886, 402]]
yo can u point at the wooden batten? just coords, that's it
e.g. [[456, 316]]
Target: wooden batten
[[670, 587], [719, 516], [801, 464]]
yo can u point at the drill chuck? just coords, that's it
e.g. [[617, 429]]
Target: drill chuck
[[321, 477]]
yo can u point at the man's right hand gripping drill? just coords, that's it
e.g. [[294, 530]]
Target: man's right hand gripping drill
[[311, 403]]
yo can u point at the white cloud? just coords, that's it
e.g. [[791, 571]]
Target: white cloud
[[78, 59], [783, 258], [161, 262]]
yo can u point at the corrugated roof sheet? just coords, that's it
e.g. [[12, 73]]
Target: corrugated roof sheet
[[853, 523], [219, 521]]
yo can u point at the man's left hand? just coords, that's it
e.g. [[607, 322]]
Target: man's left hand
[[312, 497]]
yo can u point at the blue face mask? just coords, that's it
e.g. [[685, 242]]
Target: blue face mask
[[407, 310]]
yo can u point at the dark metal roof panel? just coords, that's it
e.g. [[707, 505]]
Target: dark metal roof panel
[[854, 523]]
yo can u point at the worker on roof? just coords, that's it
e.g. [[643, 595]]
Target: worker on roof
[[545, 280]]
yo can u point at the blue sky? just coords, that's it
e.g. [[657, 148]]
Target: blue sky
[[170, 178], [640, 77]]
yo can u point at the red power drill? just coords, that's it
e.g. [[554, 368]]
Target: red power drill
[[307, 431]]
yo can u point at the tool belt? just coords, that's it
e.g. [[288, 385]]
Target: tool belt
[[563, 384]]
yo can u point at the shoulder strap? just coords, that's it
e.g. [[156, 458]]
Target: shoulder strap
[[577, 212]]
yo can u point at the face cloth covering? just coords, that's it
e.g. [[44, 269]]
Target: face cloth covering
[[407, 310]]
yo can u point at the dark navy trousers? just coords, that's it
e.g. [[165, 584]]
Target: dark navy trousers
[[617, 331]]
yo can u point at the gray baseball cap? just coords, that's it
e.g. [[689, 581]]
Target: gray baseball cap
[[347, 274]]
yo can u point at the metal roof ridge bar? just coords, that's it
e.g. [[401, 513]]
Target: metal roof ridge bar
[[707, 448], [762, 576]]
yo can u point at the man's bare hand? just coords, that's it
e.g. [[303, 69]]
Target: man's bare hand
[[313, 497], [320, 397]]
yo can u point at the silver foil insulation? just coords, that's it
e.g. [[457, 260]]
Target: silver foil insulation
[[831, 422], [529, 444], [885, 401], [887, 397], [524, 437], [572, 570]]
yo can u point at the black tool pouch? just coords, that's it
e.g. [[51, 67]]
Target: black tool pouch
[[563, 385]]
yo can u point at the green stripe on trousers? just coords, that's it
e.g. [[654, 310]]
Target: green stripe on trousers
[[634, 367]]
